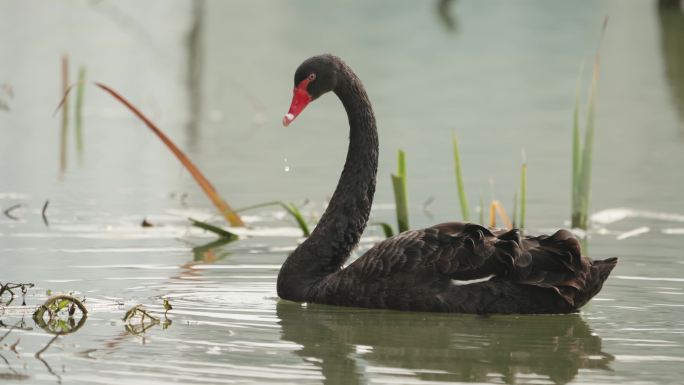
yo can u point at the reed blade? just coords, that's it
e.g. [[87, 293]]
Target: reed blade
[[576, 153], [80, 93], [213, 229], [588, 149], [502, 214], [223, 207], [294, 211], [523, 194], [492, 214], [289, 208], [516, 219], [65, 116], [463, 199], [386, 228], [400, 194]]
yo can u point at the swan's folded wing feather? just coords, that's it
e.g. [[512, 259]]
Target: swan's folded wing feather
[[460, 251], [448, 251]]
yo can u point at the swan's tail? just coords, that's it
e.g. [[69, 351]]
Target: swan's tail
[[556, 262], [599, 272]]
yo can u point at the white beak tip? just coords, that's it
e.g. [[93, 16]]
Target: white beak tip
[[287, 119]]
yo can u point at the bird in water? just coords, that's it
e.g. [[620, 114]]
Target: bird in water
[[420, 270]]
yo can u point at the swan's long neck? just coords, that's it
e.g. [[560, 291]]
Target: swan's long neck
[[343, 222]]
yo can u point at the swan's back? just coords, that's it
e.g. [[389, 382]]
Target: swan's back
[[420, 270]]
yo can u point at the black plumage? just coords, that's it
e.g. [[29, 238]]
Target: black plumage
[[424, 270]]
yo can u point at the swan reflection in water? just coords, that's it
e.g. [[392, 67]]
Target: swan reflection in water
[[348, 343]]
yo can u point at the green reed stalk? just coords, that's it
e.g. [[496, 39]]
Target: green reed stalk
[[213, 229], [582, 156], [587, 151], [400, 194], [290, 208], [386, 228], [463, 199], [523, 194], [515, 218], [576, 154]]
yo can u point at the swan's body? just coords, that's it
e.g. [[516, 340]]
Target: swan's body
[[419, 269]]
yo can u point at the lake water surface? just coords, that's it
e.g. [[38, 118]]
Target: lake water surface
[[217, 77]]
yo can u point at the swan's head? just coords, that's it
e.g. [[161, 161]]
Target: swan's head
[[314, 77]]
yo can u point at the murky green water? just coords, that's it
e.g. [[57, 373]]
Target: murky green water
[[501, 74]]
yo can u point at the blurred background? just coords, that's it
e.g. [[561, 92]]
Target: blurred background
[[217, 77]]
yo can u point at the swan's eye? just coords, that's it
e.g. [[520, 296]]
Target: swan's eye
[[311, 77]]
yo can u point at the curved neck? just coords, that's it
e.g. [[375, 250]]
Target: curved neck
[[343, 222]]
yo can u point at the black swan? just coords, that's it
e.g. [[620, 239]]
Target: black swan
[[419, 270]]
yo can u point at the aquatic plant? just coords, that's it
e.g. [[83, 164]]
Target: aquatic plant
[[60, 310], [290, 208], [223, 234], [400, 194], [65, 116], [386, 228], [582, 154], [80, 92], [146, 319], [7, 288], [495, 207], [223, 207], [463, 199], [523, 193]]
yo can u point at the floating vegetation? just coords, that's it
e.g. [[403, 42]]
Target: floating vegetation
[[7, 288], [167, 306], [223, 207], [145, 319], [463, 199], [290, 208], [60, 310], [400, 194], [582, 153]]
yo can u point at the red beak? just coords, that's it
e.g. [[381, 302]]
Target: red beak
[[300, 99]]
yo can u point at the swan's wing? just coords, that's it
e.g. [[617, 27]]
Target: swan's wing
[[462, 251], [451, 250]]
